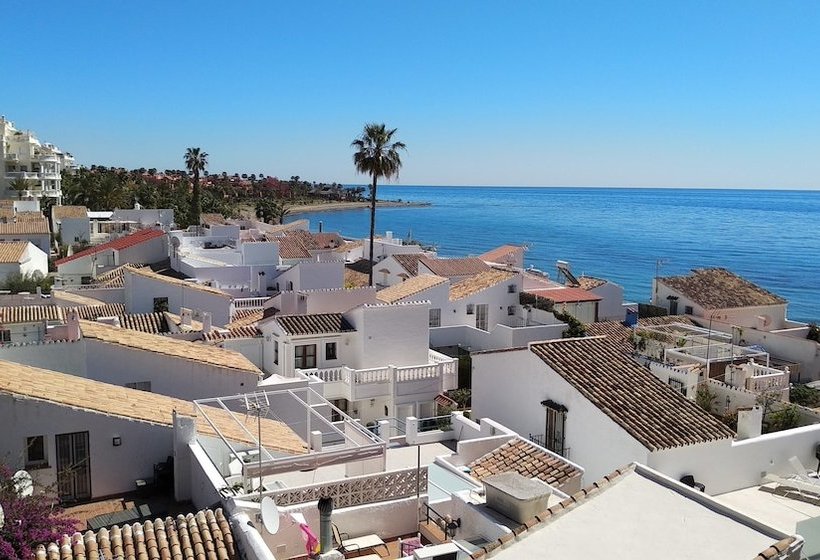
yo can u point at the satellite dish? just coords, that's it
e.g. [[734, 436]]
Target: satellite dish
[[270, 515], [23, 483]]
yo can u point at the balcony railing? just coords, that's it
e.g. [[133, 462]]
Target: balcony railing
[[767, 382], [22, 175], [249, 303]]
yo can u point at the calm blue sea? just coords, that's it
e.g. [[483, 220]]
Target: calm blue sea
[[769, 237]]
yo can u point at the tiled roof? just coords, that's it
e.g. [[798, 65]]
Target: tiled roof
[[121, 402], [6, 213], [60, 212], [527, 460], [118, 244], [12, 252], [479, 282], [219, 357], [212, 219], [203, 535], [148, 273], [328, 240], [409, 262], [114, 278], [25, 227], [651, 412], [590, 282], [565, 295], [30, 314], [74, 296], [501, 254], [316, 323], [242, 317], [355, 279], [92, 312], [718, 288], [410, 287], [30, 217], [247, 331], [154, 323], [296, 244], [455, 267]]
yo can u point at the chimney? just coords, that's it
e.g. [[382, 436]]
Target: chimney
[[325, 528], [73, 325], [206, 322], [185, 316], [749, 422]]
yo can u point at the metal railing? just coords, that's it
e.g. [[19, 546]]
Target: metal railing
[[442, 423]]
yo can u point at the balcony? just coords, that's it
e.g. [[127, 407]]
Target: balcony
[[390, 381], [28, 175]]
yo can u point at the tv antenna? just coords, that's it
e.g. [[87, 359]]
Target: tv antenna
[[258, 404]]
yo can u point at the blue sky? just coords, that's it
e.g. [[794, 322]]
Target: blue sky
[[704, 94]]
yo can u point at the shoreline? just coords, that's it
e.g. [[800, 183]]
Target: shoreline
[[338, 206]]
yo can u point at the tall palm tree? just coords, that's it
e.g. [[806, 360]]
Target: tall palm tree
[[378, 156], [196, 161], [20, 185]]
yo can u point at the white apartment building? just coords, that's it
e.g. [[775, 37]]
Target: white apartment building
[[25, 157]]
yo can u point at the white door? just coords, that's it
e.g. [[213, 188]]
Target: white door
[[481, 316]]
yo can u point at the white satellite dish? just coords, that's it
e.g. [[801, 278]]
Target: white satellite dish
[[23, 483], [270, 515]]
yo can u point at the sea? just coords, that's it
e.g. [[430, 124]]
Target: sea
[[626, 235]]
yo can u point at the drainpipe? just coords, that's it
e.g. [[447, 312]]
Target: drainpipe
[[325, 529]]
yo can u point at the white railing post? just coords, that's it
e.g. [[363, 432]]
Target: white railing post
[[316, 440], [411, 430]]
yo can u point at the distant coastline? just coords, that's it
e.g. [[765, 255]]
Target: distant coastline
[[337, 206]]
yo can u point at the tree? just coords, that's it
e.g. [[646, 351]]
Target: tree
[[196, 161], [376, 155], [29, 520], [271, 211], [20, 185]]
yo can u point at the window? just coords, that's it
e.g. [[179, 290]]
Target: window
[[290, 286], [85, 280], [330, 351], [140, 386], [511, 289], [435, 317], [36, 451], [276, 352], [160, 304], [470, 309], [510, 310], [678, 386], [688, 310], [5, 335], [556, 421], [305, 356]]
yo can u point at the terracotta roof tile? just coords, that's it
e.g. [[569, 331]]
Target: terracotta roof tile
[[777, 550], [409, 262], [244, 317], [565, 295], [30, 217], [207, 534], [651, 412], [153, 323], [114, 278], [502, 255], [718, 288], [317, 323], [30, 314], [176, 348], [118, 244], [479, 282], [143, 406], [92, 312], [12, 252], [25, 227], [248, 331], [409, 287], [526, 459], [60, 212], [455, 267]]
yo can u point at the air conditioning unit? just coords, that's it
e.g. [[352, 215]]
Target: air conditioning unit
[[446, 551]]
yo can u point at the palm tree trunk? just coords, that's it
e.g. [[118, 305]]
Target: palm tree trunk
[[195, 208], [372, 228]]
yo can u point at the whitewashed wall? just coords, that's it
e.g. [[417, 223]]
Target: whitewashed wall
[[65, 357], [174, 377], [140, 293], [500, 337], [390, 334], [611, 307], [73, 230], [509, 387], [113, 469]]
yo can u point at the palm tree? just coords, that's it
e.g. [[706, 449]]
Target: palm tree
[[378, 156], [196, 161], [20, 185]]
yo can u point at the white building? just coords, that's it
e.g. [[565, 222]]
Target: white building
[[143, 247], [586, 400], [611, 303], [27, 226], [23, 258], [109, 435], [374, 360], [25, 157], [71, 223]]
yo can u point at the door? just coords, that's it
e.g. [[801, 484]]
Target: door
[[481, 316], [73, 467]]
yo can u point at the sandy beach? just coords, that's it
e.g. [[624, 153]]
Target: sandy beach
[[336, 206]]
